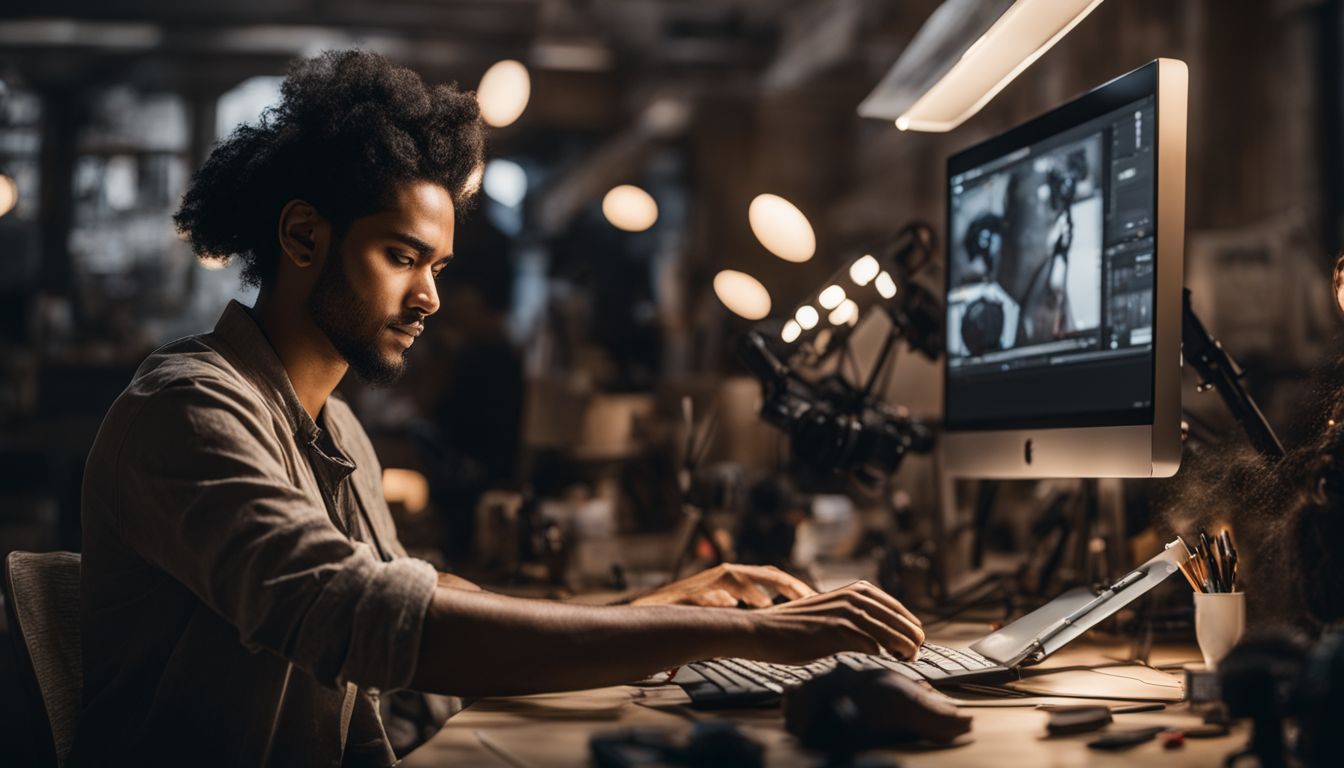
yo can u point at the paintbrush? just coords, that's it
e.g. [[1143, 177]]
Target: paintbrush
[[1230, 556], [1224, 562], [1219, 564], [1197, 567], [1187, 566], [1204, 552], [1190, 576]]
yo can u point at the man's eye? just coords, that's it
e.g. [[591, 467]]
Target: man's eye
[[402, 259]]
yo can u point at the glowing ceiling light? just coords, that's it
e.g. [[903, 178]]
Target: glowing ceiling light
[[503, 93], [630, 208], [930, 88], [782, 228], [831, 297], [885, 285], [806, 316], [505, 182], [864, 270], [844, 313], [792, 330], [9, 194], [742, 294]]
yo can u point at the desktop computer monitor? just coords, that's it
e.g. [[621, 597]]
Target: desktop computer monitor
[[1064, 269]]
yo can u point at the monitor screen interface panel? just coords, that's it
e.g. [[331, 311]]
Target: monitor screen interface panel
[[1053, 283]]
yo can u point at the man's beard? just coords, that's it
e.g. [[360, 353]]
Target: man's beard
[[352, 326]]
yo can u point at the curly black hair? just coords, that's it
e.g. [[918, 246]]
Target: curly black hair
[[350, 129]]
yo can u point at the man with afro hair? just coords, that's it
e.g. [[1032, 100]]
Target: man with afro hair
[[244, 598]]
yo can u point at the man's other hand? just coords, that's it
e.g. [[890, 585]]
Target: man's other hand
[[724, 585], [859, 617]]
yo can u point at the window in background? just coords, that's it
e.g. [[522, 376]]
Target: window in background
[[20, 143], [136, 277], [20, 251], [245, 102]]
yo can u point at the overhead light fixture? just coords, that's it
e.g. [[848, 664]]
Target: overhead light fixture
[[965, 53], [9, 193], [886, 287], [630, 208], [782, 228], [864, 269], [831, 296], [742, 294], [792, 330], [807, 316], [503, 93], [844, 313], [505, 182]]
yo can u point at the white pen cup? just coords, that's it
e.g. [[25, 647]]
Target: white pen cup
[[1220, 620]]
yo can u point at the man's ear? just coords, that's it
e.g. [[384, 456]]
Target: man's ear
[[303, 233], [1339, 284]]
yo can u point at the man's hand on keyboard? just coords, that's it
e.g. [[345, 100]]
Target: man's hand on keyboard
[[723, 586], [859, 617]]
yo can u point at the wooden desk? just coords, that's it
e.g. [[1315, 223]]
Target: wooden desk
[[553, 729]]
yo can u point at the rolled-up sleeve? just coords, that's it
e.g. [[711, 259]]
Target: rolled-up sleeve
[[207, 497]]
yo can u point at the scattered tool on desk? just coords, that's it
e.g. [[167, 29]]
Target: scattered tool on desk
[[1173, 739], [1066, 720], [1212, 565], [1130, 737], [1124, 709], [1132, 709]]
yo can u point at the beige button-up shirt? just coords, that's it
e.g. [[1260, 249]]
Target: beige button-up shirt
[[243, 593]]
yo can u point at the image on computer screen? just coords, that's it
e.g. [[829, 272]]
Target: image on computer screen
[[1050, 278]]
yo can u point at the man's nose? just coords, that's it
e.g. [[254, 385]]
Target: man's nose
[[425, 294]]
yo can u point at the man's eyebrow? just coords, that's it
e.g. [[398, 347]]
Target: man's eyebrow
[[418, 245]]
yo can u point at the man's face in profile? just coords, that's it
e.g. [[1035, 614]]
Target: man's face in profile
[[377, 284]]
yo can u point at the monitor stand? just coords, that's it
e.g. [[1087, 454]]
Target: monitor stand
[[1094, 510]]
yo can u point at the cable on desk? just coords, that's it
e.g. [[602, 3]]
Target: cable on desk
[[947, 617]]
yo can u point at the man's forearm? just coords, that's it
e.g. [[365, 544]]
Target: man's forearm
[[457, 582], [481, 644]]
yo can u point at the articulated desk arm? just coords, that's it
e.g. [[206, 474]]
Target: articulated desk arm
[[1218, 370]]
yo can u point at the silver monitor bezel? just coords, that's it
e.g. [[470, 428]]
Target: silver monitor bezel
[[1119, 450]]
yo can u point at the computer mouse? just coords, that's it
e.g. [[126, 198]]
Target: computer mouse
[[846, 710]]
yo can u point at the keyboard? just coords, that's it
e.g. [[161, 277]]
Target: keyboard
[[743, 682]]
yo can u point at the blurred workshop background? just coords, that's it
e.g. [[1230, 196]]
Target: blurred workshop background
[[662, 176]]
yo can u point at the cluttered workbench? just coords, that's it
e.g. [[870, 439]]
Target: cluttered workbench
[[1008, 729]]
